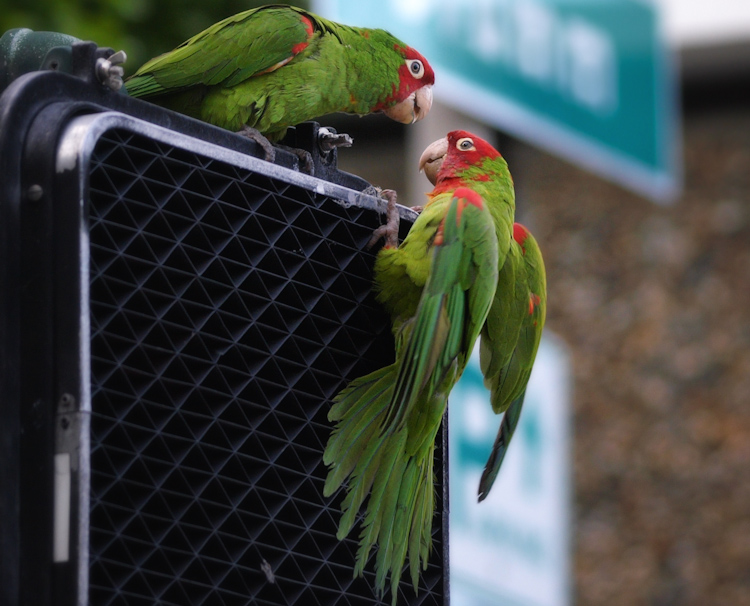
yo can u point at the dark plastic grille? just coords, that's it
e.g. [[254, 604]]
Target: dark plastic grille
[[227, 309]]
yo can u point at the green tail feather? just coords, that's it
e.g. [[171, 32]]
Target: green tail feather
[[420, 537], [500, 447], [353, 432], [399, 511]]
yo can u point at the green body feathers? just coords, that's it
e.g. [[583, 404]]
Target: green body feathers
[[510, 340], [275, 66], [386, 422]]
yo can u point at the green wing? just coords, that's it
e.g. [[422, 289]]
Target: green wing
[[230, 51], [510, 340], [386, 421], [453, 307]]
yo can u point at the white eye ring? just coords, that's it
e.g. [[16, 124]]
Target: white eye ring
[[416, 68], [465, 144]]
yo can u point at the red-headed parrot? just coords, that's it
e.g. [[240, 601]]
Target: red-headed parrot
[[275, 66], [513, 330], [439, 288]]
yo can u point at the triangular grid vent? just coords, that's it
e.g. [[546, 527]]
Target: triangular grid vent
[[227, 308]]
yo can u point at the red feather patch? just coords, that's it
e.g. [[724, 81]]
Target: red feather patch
[[520, 233], [298, 48], [534, 300], [469, 196]]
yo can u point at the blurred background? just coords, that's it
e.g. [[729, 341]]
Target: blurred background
[[648, 266]]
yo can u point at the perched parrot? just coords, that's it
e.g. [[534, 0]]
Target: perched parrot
[[440, 287], [272, 67], [511, 335]]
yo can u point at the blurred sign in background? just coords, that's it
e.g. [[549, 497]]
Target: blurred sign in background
[[514, 548], [589, 80]]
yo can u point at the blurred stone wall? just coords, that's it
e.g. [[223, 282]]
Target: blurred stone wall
[[654, 303]]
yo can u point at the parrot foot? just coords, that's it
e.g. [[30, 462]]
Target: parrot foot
[[389, 231], [253, 134], [306, 164]]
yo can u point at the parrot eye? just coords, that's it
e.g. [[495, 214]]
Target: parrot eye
[[415, 67], [465, 144]]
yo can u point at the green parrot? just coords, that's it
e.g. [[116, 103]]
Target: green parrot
[[513, 329], [438, 287], [272, 67]]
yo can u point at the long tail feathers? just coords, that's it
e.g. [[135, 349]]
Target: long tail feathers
[[500, 447], [399, 511], [420, 537]]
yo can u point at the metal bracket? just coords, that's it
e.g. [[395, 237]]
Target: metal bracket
[[23, 50]]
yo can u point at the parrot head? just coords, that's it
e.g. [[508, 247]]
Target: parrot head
[[448, 157], [412, 97]]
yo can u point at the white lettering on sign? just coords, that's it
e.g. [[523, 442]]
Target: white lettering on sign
[[565, 55], [536, 26], [590, 75]]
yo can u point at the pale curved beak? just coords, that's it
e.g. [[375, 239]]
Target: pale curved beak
[[432, 158], [412, 109]]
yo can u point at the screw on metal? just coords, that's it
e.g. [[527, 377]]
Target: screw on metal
[[67, 402], [35, 192], [329, 140]]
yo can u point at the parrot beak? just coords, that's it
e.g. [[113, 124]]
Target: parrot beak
[[432, 158], [412, 109], [422, 102]]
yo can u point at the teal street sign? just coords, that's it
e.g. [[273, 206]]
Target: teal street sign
[[590, 80], [514, 547]]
